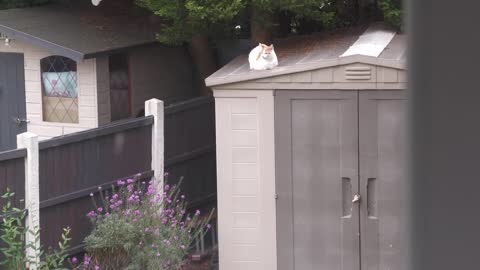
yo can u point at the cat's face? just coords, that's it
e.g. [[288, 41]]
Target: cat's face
[[267, 51]]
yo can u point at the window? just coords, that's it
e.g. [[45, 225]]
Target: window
[[59, 89]]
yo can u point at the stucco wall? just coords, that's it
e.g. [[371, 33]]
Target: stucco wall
[[160, 72], [87, 92], [246, 179]]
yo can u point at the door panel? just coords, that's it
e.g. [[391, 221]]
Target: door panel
[[317, 175], [383, 183], [12, 99]]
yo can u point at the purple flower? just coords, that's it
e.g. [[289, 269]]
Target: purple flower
[[86, 260], [120, 182], [91, 214], [130, 188], [158, 254], [91, 194], [197, 213], [209, 226], [96, 267], [167, 187], [74, 260], [100, 209]]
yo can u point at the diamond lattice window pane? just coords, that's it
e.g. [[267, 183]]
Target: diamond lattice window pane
[[59, 86]]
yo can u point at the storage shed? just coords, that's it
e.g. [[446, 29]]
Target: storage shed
[[70, 66], [310, 155]]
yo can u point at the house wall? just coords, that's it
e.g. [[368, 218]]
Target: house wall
[[87, 92], [103, 90], [160, 72], [246, 179]]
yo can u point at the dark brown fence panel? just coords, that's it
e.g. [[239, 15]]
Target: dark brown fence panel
[[73, 166], [12, 174], [190, 149]]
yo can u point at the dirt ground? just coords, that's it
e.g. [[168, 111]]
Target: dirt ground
[[205, 264]]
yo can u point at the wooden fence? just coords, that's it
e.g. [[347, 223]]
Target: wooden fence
[[73, 166]]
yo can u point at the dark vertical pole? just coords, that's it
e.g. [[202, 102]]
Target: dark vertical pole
[[445, 107]]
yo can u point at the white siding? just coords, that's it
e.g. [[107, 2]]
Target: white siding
[[103, 90], [87, 92], [246, 180]]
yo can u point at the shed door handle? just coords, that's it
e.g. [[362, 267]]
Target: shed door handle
[[372, 197], [346, 197]]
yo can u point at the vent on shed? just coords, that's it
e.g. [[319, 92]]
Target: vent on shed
[[358, 73]]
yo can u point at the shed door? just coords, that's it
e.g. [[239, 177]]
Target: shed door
[[317, 175], [383, 184], [331, 145], [12, 99]]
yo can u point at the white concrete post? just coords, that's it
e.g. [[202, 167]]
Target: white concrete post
[[32, 195], [155, 107]]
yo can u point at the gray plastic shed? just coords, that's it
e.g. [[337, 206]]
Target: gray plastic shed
[[310, 155]]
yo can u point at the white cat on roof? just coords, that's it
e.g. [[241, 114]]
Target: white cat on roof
[[262, 57]]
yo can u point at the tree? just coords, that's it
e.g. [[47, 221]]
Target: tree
[[392, 12], [187, 18]]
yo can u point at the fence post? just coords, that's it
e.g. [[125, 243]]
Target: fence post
[[155, 107], [29, 141]]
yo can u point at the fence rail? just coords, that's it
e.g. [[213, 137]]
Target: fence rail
[[70, 168]]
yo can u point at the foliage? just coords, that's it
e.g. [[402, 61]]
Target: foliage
[[6, 4], [135, 228], [188, 17], [392, 12], [13, 238]]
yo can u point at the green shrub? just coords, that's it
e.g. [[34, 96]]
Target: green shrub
[[13, 237]]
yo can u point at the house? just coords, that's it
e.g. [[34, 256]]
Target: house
[[72, 66], [310, 155]]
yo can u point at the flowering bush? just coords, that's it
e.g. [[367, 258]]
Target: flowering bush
[[138, 228]]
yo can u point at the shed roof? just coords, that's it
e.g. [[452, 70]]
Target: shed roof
[[78, 32], [376, 44]]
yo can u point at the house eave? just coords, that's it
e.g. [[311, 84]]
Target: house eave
[[45, 44]]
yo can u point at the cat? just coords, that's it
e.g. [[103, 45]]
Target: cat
[[262, 57]]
